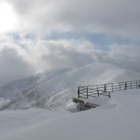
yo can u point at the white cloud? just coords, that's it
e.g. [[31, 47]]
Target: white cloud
[[119, 17], [59, 53], [29, 56], [25, 56]]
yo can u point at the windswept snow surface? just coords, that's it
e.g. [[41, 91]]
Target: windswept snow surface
[[58, 90], [118, 118]]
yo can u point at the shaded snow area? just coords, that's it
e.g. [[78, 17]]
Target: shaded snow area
[[43, 109]]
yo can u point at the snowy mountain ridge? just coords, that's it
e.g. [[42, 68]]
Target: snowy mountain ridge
[[57, 88], [116, 119]]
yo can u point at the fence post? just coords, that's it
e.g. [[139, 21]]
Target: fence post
[[87, 92], [98, 92], [109, 94], [104, 87], [120, 86], [139, 84], [78, 92], [125, 86]]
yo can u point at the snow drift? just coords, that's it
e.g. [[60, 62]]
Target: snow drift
[[116, 119]]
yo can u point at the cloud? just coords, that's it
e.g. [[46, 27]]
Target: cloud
[[67, 53], [27, 57], [24, 51], [59, 53], [119, 17], [13, 66], [126, 56]]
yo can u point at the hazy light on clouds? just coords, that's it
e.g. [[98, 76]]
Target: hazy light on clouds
[[7, 17], [24, 52], [39, 55], [119, 17]]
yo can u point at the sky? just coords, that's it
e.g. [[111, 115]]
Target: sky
[[38, 35]]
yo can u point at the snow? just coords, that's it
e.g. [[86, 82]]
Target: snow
[[4, 102], [117, 118], [111, 121], [59, 89]]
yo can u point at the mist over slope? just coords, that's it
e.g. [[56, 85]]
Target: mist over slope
[[31, 82], [56, 90]]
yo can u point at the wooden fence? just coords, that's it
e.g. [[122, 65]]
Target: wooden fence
[[106, 89]]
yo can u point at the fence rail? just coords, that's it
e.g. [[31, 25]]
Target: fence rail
[[106, 89]]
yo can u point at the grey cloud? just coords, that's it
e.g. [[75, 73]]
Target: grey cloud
[[13, 66], [65, 53], [39, 55], [126, 56], [121, 17], [62, 57], [61, 53]]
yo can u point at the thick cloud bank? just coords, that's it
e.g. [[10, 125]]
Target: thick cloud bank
[[121, 17], [32, 56], [47, 34]]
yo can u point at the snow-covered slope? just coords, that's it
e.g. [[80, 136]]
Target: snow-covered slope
[[58, 91], [15, 88], [31, 82], [116, 119]]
